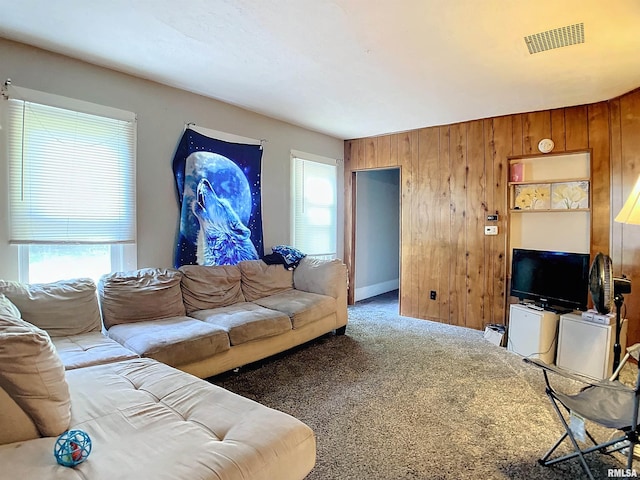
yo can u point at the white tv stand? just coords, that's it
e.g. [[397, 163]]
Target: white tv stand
[[532, 332]]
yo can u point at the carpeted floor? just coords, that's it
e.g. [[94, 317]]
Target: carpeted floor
[[399, 398]]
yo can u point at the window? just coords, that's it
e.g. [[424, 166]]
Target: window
[[314, 216], [71, 186]]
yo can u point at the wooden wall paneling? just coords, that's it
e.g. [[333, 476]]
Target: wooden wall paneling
[[599, 134], [558, 129], [349, 219], [370, 152], [490, 198], [611, 130], [417, 234], [405, 159], [615, 122], [577, 129], [443, 233], [384, 151], [458, 245], [357, 154], [630, 255], [347, 154], [535, 127], [393, 161], [419, 223], [498, 146], [474, 225], [429, 179], [517, 146]]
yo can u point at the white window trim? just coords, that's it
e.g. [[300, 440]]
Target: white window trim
[[320, 159], [123, 256], [53, 100]]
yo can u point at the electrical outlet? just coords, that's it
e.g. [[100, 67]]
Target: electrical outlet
[[432, 295], [490, 230]]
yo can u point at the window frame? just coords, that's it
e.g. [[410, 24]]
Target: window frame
[[313, 158], [123, 256]]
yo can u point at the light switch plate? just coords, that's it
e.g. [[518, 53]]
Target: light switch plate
[[490, 230]]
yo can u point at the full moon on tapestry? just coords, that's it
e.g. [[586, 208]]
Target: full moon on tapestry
[[218, 189]]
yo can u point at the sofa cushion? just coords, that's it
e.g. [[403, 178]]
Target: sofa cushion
[[140, 295], [261, 280], [175, 341], [150, 421], [246, 321], [207, 287], [301, 307], [31, 372], [88, 349], [66, 307]]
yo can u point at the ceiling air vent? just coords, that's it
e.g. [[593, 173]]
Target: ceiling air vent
[[556, 38]]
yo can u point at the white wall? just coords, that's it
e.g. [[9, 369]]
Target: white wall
[[377, 244], [162, 112]]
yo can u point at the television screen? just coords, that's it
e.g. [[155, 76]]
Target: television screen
[[553, 280]]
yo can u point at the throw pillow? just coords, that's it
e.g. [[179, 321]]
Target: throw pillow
[[31, 372]]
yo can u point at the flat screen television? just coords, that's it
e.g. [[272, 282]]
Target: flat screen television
[[552, 280]]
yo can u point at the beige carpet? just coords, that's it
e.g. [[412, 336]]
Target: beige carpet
[[400, 398]]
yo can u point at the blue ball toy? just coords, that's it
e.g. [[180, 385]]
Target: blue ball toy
[[72, 448]]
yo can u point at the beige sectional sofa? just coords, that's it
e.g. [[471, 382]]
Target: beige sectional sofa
[[103, 361], [208, 320]]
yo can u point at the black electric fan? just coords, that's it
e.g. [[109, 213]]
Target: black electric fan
[[606, 291]]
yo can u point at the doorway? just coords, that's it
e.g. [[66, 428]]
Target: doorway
[[377, 233]]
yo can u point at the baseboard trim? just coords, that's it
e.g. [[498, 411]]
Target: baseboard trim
[[376, 289]]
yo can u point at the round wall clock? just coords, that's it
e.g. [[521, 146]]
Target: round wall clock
[[546, 145]]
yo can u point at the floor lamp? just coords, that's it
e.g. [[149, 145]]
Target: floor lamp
[[630, 215]]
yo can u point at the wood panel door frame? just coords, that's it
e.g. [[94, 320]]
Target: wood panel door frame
[[350, 229]]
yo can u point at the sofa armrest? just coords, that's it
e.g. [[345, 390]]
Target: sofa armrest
[[324, 277]]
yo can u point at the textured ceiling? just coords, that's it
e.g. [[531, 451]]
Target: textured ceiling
[[350, 68]]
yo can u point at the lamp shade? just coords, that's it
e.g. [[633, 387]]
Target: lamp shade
[[630, 212]]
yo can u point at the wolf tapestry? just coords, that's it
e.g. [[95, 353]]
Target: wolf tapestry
[[218, 187]]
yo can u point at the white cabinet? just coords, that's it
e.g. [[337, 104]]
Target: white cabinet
[[532, 333], [586, 348]]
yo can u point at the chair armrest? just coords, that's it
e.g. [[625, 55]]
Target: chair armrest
[[563, 373], [605, 383]]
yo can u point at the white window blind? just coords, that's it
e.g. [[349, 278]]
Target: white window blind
[[314, 207], [71, 176]]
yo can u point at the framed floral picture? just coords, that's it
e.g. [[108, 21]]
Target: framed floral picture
[[532, 196], [570, 195]]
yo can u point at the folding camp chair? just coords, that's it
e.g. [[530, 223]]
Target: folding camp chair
[[608, 403]]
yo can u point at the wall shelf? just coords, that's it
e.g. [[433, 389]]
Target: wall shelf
[[549, 210], [549, 184], [562, 180], [549, 201]]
